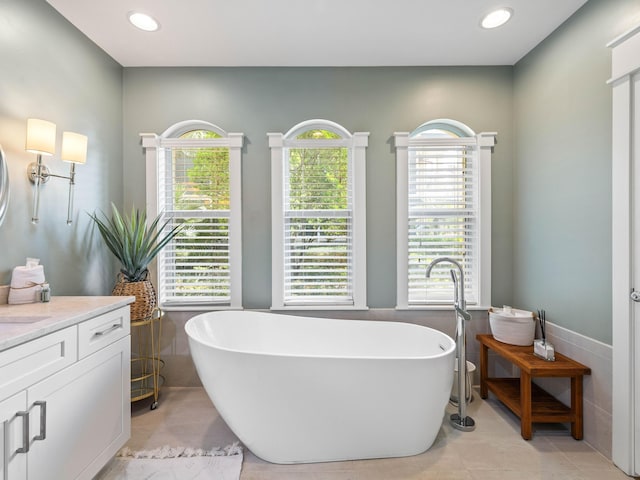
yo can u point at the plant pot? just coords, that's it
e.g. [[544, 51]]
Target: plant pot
[[145, 293]]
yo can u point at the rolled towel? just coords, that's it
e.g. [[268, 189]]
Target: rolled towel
[[26, 283]]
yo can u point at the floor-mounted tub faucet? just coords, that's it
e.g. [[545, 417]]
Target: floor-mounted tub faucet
[[459, 420]]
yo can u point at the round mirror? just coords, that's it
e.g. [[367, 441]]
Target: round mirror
[[4, 186]]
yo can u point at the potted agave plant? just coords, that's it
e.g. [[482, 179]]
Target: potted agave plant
[[135, 245]]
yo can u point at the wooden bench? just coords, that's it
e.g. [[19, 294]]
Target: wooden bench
[[527, 400]]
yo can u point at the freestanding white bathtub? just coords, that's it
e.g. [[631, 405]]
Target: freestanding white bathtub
[[301, 390]]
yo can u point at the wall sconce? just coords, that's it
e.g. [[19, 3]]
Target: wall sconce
[[41, 140]]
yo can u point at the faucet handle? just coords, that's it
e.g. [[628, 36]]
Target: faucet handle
[[463, 313]]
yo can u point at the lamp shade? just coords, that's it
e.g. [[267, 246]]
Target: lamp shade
[[74, 147], [41, 137]]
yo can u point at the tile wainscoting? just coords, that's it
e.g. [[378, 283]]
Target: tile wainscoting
[[597, 386]]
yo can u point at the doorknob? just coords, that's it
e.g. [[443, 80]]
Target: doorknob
[[635, 296]]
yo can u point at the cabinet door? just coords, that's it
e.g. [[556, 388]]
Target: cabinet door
[[88, 416], [12, 428]]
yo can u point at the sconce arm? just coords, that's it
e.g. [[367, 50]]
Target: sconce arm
[[35, 170], [66, 177]]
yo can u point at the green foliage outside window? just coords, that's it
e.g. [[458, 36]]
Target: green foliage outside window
[[318, 177], [318, 180], [201, 182]]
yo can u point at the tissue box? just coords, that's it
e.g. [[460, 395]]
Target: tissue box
[[544, 350]]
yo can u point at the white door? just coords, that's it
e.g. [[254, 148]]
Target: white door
[[13, 416], [635, 296], [625, 83]]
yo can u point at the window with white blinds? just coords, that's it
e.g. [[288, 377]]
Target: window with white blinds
[[197, 186], [318, 218], [441, 213], [443, 218], [318, 237]]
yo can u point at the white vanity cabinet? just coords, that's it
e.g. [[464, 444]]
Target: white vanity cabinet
[[64, 400]]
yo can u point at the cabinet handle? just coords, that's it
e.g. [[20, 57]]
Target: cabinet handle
[[7, 441], [43, 419], [25, 432], [113, 327]]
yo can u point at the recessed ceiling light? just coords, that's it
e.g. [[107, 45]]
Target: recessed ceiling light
[[143, 21], [496, 18]]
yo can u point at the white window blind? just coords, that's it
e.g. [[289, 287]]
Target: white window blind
[[318, 250], [443, 219], [318, 202], [193, 179], [195, 192], [443, 175]]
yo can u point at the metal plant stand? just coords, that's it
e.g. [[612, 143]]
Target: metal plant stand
[[146, 363]]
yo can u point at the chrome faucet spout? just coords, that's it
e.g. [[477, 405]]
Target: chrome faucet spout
[[442, 260], [457, 277]]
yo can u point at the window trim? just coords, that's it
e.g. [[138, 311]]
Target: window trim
[[357, 142], [483, 143], [152, 144]]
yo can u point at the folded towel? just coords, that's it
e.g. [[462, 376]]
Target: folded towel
[[26, 283], [26, 276]]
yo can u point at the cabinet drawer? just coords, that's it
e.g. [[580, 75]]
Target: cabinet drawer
[[29, 363], [102, 330]]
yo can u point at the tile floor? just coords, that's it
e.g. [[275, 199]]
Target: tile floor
[[495, 450]]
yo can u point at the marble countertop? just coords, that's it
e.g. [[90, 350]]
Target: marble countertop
[[17, 323]]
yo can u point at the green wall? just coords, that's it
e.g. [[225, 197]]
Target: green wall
[[51, 71], [562, 171], [376, 100]]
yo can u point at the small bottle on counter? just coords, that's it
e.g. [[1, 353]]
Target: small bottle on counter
[[45, 293]]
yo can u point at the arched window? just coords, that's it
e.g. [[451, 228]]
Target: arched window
[[193, 178], [443, 210], [318, 217]]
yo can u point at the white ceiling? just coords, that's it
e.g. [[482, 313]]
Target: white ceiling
[[316, 32]]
